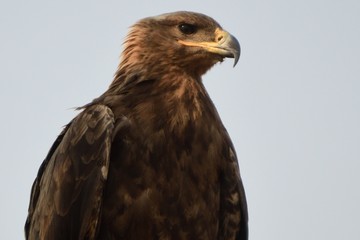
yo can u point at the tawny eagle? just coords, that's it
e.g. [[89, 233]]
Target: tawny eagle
[[149, 158]]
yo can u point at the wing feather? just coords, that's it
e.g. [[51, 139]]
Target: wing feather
[[233, 205], [66, 195]]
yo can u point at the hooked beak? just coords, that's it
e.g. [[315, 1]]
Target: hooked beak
[[224, 45]]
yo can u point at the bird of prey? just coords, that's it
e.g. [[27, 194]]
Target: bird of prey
[[149, 158]]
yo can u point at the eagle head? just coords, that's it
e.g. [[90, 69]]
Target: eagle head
[[184, 41]]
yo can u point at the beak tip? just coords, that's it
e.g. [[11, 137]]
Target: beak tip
[[235, 49], [236, 59]]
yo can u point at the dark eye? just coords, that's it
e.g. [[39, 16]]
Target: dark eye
[[187, 28]]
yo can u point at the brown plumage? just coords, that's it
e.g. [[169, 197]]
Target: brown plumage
[[150, 158]]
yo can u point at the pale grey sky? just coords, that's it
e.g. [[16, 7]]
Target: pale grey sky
[[291, 105]]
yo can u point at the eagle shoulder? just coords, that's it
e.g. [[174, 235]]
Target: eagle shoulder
[[67, 193]]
